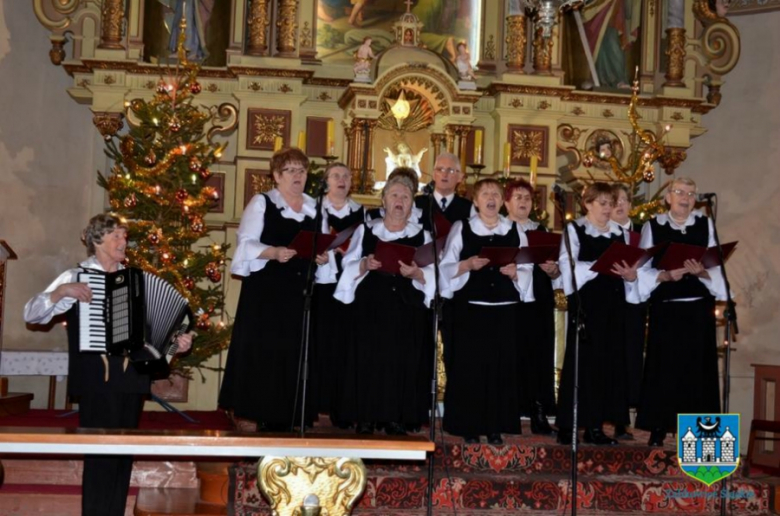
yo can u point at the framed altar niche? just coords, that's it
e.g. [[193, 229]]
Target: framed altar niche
[[342, 25], [613, 30], [207, 33]]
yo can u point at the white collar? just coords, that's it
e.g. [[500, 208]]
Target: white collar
[[93, 263], [591, 230], [626, 226], [479, 227], [528, 225], [379, 229], [309, 205], [665, 218], [439, 197], [417, 213], [342, 212]]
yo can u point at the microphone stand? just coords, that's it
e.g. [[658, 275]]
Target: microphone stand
[[308, 291], [436, 308], [732, 330], [579, 325]]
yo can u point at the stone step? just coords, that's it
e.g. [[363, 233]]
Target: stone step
[[47, 500]]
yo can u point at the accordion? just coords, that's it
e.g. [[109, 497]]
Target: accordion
[[133, 313]]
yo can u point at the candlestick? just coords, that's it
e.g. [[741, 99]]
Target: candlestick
[[478, 146], [302, 141], [507, 158], [331, 137], [277, 143], [534, 164]]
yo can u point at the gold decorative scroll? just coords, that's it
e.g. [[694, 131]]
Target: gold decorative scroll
[[63, 8], [227, 114], [287, 26], [286, 481], [111, 14], [675, 53], [258, 28], [515, 42]]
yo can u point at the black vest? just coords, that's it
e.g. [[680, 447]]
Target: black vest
[[487, 284], [591, 248], [543, 291], [458, 209], [689, 286], [280, 231], [354, 217], [391, 284]]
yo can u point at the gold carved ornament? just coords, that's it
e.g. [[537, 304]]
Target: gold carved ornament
[[267, 128], [111, 15], [490, 49], [62, 7], [258, 27], [675, 53], [542, 53], [338, 482], [515, 42], [227, 116], [526, 144], [287, 26]]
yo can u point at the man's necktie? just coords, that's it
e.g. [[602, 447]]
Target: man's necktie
[[443, 203]]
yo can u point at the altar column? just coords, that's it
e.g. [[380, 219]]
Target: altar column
[[259, 20], [360, 138], [112, 13], [516, 40], [287, 28]]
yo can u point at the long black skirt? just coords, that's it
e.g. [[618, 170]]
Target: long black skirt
[[261, 372], [482, 383], [602, 373], [381, 376], [332, 338], [636, 328], [681, 366], [536, 356]]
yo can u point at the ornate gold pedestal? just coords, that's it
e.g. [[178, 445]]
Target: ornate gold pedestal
[[515, 43], [675, 53], [287, 481]]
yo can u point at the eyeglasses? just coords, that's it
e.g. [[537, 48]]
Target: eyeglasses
[[448, 170], [621, 202], [294, 171], [677, 191]]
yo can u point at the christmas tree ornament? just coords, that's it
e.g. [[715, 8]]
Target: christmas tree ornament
[[154, 238], [162, 88], [203, 322], [195, 164], [166, 257], [174, 125], [151, 158], [189, 283], [205, 173], [130, 201], [195, 88], [197, 225], [181, 195]]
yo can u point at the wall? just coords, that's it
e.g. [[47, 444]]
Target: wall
[[737, 158], [49, 152]]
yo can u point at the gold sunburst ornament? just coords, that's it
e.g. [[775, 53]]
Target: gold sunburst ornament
[[400, 108]]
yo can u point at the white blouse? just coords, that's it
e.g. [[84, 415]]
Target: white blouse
[[246, 259], [40, 309], [351, 277], [450, 283], [582, 272], [648, 276], [342, 212]]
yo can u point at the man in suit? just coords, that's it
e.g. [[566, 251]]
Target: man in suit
[[447, 175]]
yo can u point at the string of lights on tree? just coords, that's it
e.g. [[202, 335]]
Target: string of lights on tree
[[158, 185]]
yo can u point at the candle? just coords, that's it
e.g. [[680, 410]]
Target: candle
[[302, 140], [507, 158], [478, 147], [534, 164], [331, 137], [277, 143]]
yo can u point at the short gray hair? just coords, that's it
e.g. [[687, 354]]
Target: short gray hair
[[448, 155], [99, 226], [400, 176]]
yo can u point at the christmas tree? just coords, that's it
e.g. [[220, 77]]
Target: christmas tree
[[158, 185]]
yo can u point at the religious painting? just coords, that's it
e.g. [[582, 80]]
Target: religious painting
[[205, 36], [343, 24], [611, 37]]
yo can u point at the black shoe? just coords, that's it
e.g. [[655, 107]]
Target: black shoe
[[539, 423], [471, 439], [622, 434], [395, 429], [564, 436], [657, 437], [495, 439], [596, 436], [364, 428]]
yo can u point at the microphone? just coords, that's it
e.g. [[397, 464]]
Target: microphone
[[705, 196], [322, 187], [429, 188], [557, 190]]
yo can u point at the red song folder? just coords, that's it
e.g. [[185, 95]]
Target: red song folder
[[499, 256], [537, 254], [389, 254], [634, 237], [302, 243], [424, 254], [536, 238], [675, 255], [443, 226], [619, 252]]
